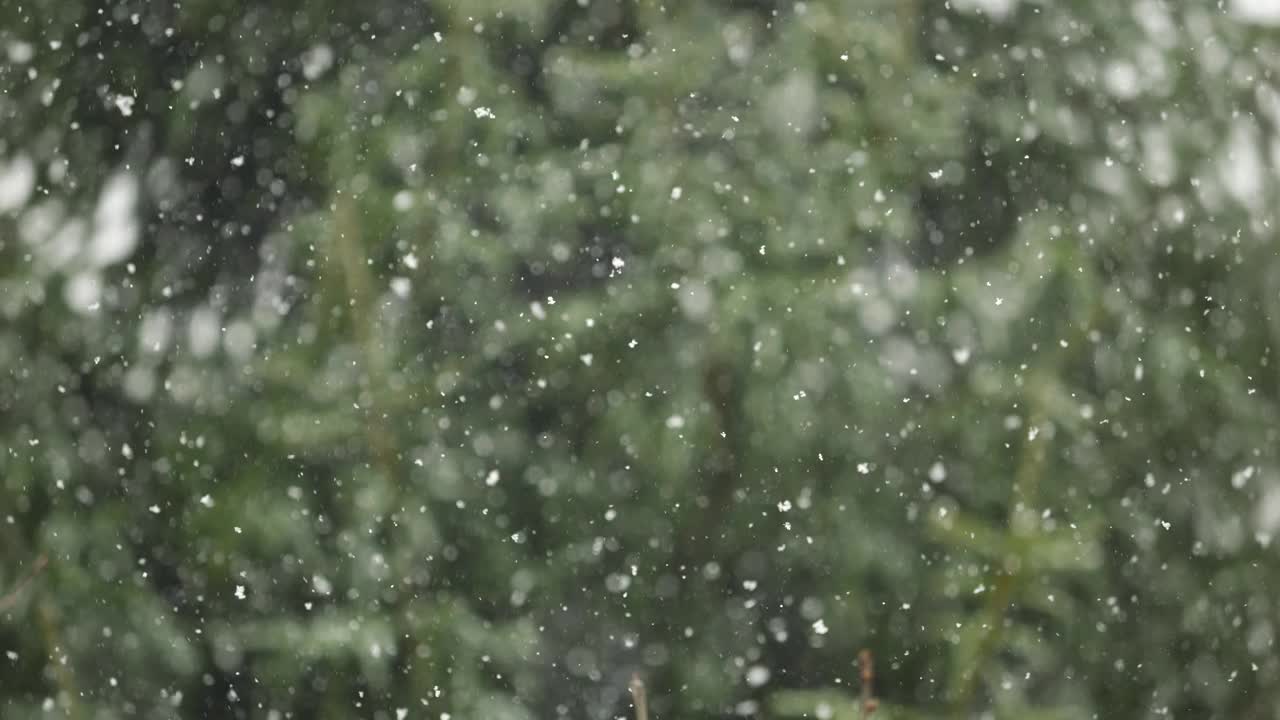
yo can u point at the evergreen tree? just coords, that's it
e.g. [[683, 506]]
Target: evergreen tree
[[394, 360]]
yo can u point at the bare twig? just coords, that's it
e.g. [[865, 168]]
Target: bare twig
[[638, 697], [9, 600], [868, 674]]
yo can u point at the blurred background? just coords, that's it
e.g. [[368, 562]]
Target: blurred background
[[457, 360]]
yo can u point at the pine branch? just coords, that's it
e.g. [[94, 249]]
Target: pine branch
[[11, 599]]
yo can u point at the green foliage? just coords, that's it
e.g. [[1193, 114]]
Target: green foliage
[[360, 359]]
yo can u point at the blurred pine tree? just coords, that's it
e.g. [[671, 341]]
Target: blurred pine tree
[[461, 360]]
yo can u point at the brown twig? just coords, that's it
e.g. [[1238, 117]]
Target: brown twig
[[868, 674], [11, 599], [638, 697]]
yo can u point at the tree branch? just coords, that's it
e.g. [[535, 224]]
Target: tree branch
[[11, 599]]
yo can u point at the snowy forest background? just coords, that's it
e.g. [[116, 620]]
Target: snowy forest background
[[456, 360]]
